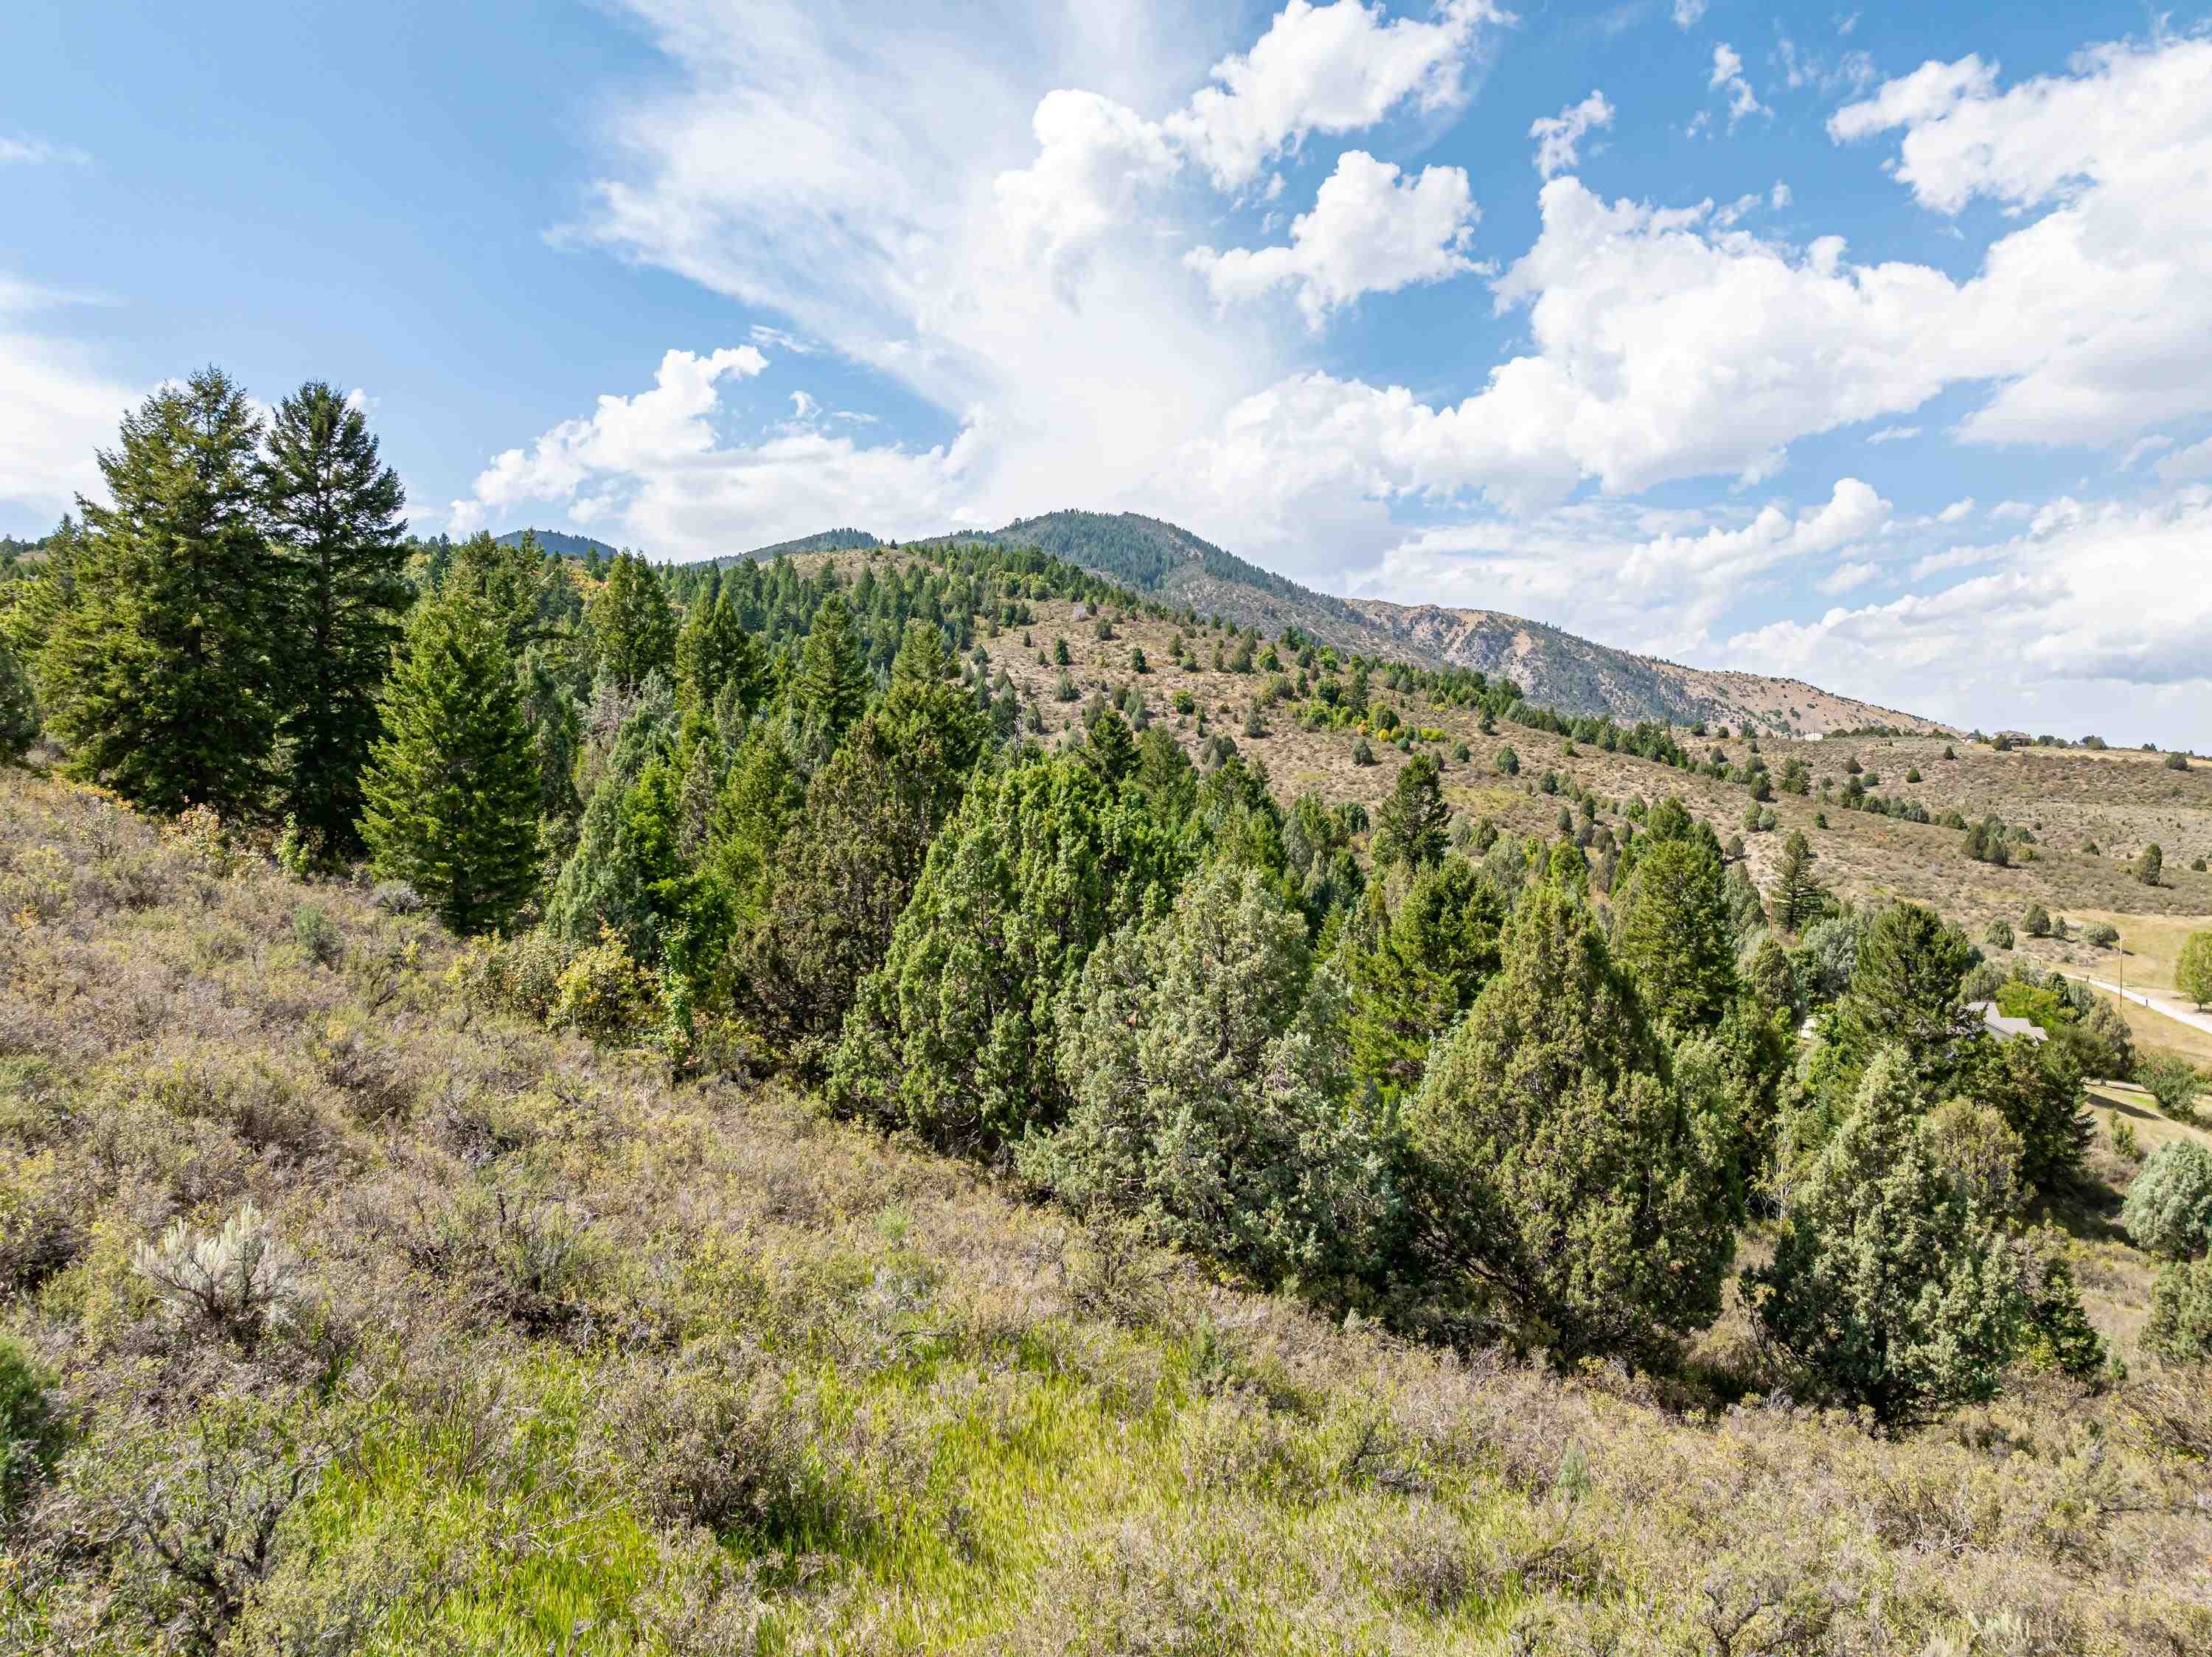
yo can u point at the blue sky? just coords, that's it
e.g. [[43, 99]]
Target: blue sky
[[1870, 346]]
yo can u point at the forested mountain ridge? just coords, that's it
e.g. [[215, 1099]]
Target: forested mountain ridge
[[565, 543], [1555, 668], [826, 540]]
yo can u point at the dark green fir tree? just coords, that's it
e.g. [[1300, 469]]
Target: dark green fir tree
[[159, 674], [453, 788], [332, 512]]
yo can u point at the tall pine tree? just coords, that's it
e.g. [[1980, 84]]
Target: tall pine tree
[[831, 686], [714, 654], [1409, 829], [453, 788], [159, 672], [332, 512], [633, 624]]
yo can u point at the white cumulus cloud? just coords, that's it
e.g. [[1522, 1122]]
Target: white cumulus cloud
[[1372, 230], [2078, 625], [1336, 68]]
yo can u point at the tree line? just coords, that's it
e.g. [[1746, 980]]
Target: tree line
[[802, 824]]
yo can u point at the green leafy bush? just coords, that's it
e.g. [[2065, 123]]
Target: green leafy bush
[[2169, 1204], [2180, 1326]]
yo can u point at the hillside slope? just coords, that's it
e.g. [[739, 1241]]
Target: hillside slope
[[1556, 668], [543, 1352]]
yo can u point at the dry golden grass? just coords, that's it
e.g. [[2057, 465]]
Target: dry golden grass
[[2155, 1033]]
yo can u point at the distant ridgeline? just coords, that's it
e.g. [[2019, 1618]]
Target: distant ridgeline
[[827, 540], [982, 583], [1151, 557], [561, 541]]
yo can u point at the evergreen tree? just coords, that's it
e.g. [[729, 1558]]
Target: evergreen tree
[[19, 707], [633, 627], [557, 737], [1108, 746], [1905, 993], [1560, 1179], [2169, 1204], [953, 1034], [451, 791], [1797, 897], [1424, 968], [831, 688], [159, 674], [623, 876], [847, 864], [2036, 1086], [762, 795], [1672, 934], [714, 654], [332, 511], [1205, 1064], [527, 593], [1768, 980], [1888, 1287], [1410, 826]]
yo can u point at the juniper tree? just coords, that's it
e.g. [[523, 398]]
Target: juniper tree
[[451, 791], [1426, 963], [2169, 1204], [1671, 934], [1888, 1287], [1560, 1178], [953, 1034], [624, 875], [332, 510], [1905, 992], [849, 862], [19, 707], [761, 795], [1205, 1059], [161, 674], [831, 688]]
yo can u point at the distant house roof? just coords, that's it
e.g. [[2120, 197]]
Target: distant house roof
[[2003, 1028]]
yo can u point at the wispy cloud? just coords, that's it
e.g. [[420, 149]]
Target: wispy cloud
[[39, 152]]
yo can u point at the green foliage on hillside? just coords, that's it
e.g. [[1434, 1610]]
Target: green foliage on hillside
[[338, 1312], [788, 832]]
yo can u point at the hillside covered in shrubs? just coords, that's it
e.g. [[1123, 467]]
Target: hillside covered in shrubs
[[345, 1315], [560, 1104]]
